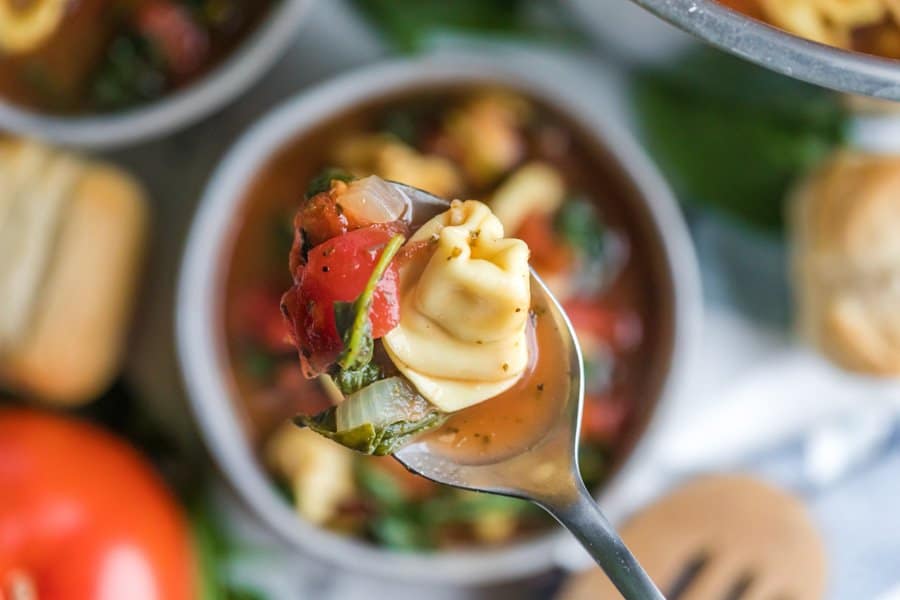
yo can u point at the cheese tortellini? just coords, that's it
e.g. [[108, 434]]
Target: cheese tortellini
[[828, 21], [464, 309]]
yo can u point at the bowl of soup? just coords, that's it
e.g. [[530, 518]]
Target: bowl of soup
[[605, 235], [108, 72]]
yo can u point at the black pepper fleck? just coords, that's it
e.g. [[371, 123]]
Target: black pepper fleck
[[325, 269]]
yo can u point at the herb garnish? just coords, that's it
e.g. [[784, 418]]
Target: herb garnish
[[353, 369], [322, 182]]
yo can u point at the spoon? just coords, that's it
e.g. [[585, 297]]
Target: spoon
[[547, 472]]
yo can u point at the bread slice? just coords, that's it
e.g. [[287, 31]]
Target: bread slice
[[846, 255], [69, 343]]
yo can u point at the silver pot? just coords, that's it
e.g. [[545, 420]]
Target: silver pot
[[750, 39], [201, 286], [233, 76]]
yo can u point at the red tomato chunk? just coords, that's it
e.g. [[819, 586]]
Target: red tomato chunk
[[337, 271]]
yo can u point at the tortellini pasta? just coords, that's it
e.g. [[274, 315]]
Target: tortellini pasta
[[391, 159], [536, 188], [828, 21], [464, 309]]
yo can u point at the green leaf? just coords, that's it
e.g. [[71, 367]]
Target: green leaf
[[408, 24], [577, 221], [378, 419], [463, 507], [322, 182], [370, 438], [379, 485], [352, 318], [132, 72], [352, 380], [733, 136]]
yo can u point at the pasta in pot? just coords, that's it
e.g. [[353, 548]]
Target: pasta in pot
[[871, 26], [462, 332], [827, 21]]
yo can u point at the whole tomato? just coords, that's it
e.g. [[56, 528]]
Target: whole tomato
[[84, 517]]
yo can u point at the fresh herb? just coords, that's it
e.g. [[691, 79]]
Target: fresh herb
[[379, 485], [410, 24], [407, 523], [352, 318], [578, 222], [259, 364], [133, 72], [352, 380], [322, 182], [378, 419], [214, 548], [593, 460], [734, 136]]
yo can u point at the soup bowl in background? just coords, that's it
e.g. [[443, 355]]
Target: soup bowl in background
[[229, 78], [200, 321]]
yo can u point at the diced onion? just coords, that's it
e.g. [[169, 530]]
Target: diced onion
[[387, 401], [373, 200]]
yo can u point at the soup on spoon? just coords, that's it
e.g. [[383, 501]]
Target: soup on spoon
[[420, 325], [439, 331]]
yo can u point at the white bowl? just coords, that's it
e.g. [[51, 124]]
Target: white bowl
[[253, 56], [201, 347]]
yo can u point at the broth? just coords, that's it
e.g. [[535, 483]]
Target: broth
[[517, 419]]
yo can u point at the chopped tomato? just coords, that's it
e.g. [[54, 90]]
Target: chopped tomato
[[337, 271], [602, 418], [321, 218], [257, 316], [621, 329], [169, 26], [549, 254]]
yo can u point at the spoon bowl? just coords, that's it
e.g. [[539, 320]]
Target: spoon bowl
[[546, 471]]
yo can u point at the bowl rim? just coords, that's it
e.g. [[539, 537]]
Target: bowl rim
[[196, 326], [780, 51], [227, 80]]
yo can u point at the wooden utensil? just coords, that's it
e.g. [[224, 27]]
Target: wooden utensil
[[721, 538]]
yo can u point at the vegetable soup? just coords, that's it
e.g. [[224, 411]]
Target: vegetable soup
[[550, 186]]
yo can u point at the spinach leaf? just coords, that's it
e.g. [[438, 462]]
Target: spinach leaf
[[133, 72], [322, 182], [352, 380], [733, 136], [408, 24], [577, 221], [372, 438], [352, 318], [378, 419]]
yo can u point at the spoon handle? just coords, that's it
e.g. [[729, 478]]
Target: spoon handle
[[582, 517]]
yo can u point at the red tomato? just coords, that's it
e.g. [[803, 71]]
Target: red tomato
[[320, 217], [621, 329], [169, 26], [337, 271], [83, 517], [602, 417], [257, 316], [549, 254]]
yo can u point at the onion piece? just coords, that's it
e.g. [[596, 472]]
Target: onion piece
[[373, 200]]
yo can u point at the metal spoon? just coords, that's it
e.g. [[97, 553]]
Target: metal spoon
[[547, 473]]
